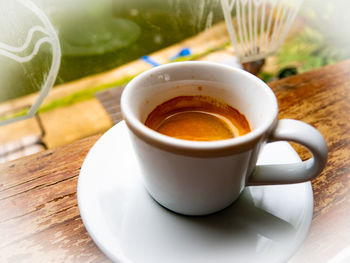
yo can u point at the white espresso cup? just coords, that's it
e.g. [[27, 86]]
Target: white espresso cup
[[203, 177]]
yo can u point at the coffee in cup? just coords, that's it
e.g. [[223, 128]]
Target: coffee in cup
[[197, 118]]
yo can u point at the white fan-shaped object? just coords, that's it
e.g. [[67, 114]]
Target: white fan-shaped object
[[21, 40], [257, 28]]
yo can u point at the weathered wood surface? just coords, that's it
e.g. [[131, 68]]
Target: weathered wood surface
[[322, 98], [39, 217], [110, 100]]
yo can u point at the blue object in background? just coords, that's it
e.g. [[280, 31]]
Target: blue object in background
[[182, 53], [150, 61]]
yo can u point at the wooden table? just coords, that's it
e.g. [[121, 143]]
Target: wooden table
[[39, 216]]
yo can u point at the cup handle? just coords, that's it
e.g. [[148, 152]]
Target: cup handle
[[304, 134]]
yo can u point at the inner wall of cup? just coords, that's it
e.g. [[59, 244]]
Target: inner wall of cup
[[245, 93]]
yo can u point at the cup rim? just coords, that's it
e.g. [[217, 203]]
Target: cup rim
[[195, 148]]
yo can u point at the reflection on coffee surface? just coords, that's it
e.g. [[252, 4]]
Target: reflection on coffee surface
[[197, 118]]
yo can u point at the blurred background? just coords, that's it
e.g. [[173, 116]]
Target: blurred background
[[99, 35], [105, 43]]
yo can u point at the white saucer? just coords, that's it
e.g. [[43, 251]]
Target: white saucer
[[267, 223]]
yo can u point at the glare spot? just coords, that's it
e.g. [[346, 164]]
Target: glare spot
[[165, 77], [134, 12], [158, 39]]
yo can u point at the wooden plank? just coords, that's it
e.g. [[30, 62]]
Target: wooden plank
[[39, 217], [110, 100], [321, 98]]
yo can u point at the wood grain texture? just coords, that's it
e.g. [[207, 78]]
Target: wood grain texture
[[39, 217], [322, 99]]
